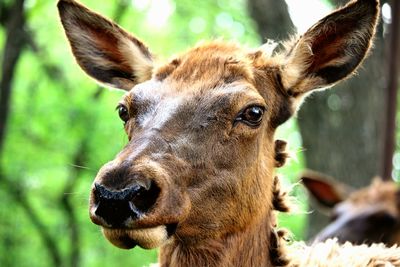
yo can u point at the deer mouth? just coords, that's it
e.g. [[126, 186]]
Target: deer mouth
[[147, 238]]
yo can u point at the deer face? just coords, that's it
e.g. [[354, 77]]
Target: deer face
[[200, 157], [196, 144]]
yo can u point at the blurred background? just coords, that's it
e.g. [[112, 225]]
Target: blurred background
[[57, 127]]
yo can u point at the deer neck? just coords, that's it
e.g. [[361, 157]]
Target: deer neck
[[250, 247]]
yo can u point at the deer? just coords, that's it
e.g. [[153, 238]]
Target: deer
[[361, 216], [196, 177]]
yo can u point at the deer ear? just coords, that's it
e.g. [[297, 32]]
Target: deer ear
[[325, 190], [332, 49], [104, 51]]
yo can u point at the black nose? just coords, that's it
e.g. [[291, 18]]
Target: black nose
[[117, 207]]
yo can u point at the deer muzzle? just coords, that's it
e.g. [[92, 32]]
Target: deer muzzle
[[136, 204]]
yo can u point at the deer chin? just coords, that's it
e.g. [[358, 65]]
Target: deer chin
[[147, 238]]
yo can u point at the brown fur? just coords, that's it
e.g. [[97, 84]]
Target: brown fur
[[281, 155], [279, 200], [197, 176]]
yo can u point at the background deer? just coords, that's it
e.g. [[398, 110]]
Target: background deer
[[367, 215], [197, 175]]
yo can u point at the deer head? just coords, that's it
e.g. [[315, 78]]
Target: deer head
[[367, 215], [200, 159]]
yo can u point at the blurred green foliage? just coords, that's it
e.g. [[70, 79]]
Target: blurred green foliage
[[62, 128]]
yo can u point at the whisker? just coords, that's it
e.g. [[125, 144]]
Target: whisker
[[80, 167]]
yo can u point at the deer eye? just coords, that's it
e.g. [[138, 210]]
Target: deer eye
[[123, 112], [251, 116]]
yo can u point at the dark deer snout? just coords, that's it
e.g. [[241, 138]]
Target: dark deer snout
[[117, 208]]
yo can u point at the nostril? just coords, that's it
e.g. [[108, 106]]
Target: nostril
[[144, 200], [116, 207]]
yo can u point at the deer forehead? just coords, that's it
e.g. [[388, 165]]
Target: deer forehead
[[214, 63], [155, 91], [164, 99], [377, 192]]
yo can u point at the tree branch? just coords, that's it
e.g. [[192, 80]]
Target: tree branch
[[79, 160], [12, 51], [18, 195], [3, 12]]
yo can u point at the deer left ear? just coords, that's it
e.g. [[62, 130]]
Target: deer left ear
[[104, 50], [326, 191], [332, 49]]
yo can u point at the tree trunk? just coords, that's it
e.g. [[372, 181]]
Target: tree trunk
[[272, 18], [342, 129]]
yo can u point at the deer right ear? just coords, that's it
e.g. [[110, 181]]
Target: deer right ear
[[104, 51], [331, 50]]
